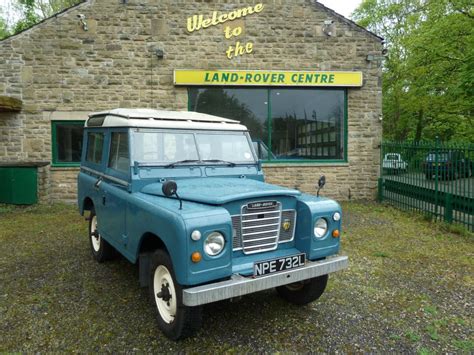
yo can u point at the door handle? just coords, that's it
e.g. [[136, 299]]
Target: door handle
[[97, 183]]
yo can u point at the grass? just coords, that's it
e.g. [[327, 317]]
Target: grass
[[408, 289]]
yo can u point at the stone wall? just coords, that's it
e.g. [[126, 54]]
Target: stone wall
[[57, 66]]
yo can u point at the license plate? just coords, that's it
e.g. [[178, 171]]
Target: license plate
[[271, 266]]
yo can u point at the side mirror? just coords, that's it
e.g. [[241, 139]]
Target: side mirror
[[169, 189], [321, 183]]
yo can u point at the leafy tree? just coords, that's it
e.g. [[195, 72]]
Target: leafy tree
[[428, 77], [31, 12], [4, 32]]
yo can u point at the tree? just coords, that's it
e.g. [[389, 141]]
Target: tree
[[31, 12], [428, 75]]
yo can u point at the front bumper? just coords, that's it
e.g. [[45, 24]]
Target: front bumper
[[239, 285]]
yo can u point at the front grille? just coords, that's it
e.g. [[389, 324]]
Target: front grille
[[258, 230]]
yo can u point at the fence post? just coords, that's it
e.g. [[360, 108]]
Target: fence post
[[448, 208], [436, 177]]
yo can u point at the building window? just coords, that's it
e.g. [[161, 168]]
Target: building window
[[119, 159], [95, 145], [286, 124], [67, 142]]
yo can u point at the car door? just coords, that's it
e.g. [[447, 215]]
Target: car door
[[115, 189]]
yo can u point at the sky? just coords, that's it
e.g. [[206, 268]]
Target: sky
[[343, 7]]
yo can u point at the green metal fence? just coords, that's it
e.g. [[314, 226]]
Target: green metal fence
[[431, 177]]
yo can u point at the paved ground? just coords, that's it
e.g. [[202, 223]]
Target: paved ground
[[462, 186], [409, 288]]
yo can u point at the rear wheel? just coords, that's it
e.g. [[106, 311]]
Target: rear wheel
[[303, 292], [175, 320], [101, 250]]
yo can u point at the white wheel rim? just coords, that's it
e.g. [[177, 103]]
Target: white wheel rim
[[163, 281], [95, 239]]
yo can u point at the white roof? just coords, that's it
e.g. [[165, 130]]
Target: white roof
[[149, 118]]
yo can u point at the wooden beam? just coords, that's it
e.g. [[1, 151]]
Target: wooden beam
[[10, 104]]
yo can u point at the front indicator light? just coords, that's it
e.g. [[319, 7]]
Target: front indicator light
[[336, 233], [196, 257]]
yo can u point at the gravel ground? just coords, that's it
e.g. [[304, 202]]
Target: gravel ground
[[409, 288]]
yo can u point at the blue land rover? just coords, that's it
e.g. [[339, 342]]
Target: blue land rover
[[183, 195]]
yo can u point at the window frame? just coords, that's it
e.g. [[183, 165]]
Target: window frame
[[268, 143], [54, 148]]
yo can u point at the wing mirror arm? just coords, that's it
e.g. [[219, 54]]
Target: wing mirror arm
[[321, 183]]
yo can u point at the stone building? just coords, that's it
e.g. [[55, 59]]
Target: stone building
[[304, 79]]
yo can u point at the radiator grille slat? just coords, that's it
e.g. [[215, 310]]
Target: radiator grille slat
[[259, 230]]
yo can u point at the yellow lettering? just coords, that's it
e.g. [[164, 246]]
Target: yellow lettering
[[249, 47], [232, 15], [237, 31], [258, 8], [227, 32], [206, 23], [197, 22], [222, 18]]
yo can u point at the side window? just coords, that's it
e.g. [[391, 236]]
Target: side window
[[119, 159], [95, 146]]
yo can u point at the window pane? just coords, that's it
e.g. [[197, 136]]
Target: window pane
[[233, 147], [164, 147], [307, 123], [247, 105], [68, 142], [119, 157], [95, 145]]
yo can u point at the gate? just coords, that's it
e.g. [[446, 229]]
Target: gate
[[433, 178]]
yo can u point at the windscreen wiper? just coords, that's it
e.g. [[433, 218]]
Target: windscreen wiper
[[229, 163], [179, 162]]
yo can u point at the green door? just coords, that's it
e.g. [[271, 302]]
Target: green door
[[18, 185]]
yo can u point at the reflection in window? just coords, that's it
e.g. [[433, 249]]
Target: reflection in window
[[249, 106], [164, 147], [233, 147], [67, 141], [119, 157], [305, 123], [95, 144]]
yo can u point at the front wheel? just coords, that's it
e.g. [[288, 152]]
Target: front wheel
[[101, 250], [175, 320], [303, 292]]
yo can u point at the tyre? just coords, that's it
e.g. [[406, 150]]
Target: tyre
[[101, 250], [304, 292], [175, 320]]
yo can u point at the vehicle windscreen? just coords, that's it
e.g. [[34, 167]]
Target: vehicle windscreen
[[441, 157], [165, 147], [391, 157]]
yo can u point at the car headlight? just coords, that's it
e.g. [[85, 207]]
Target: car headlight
[[320, 228], [336, 216], [214, 243]]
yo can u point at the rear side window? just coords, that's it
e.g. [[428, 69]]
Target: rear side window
[[119, 159], [95, 146]]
